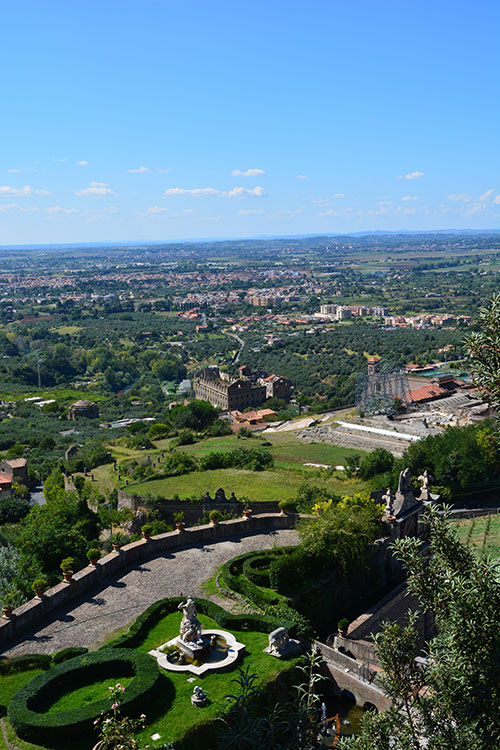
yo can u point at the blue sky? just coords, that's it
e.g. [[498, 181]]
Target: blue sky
[[161, 120]]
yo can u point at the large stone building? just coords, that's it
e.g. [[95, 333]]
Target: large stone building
[[226, 394], [277, 387]]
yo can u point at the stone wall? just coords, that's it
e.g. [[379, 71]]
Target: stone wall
[[193, 511], [32, 613]]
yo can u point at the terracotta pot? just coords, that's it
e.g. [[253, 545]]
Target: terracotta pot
[[343, 633], [117, 547], [180, 526], [7, 611], [93, 560], [146, 535], [283, 512], [40, 593], [247, 513], [67, 575], [214, 523]]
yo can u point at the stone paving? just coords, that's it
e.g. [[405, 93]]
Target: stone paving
[[90, 620]]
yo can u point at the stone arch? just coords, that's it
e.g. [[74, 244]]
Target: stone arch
[[367, 706], [349, 696]]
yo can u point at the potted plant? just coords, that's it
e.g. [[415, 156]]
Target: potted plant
[[147, 530], [67, 568], [215, 516], [343, 625], [247, 511], [93, 554], [8, 603], [40, 586], [179, 520], [117, 541], [287, 506]]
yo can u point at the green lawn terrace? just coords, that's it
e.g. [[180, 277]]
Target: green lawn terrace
[[170, 713], [282, 481], [482, 534]]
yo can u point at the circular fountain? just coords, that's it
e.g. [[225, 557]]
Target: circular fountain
[[196, 651]]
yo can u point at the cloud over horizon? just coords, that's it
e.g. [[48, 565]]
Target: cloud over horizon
[[247, 173]]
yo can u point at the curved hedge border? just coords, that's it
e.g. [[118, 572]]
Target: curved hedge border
[[40, 727], [38, 661], [256, 568], [234, 575], [139, 629]]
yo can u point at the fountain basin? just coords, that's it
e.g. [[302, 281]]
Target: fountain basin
[[215, 659]]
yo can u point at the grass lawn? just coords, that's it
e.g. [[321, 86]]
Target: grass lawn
[[170, 714], [290, 454], [472, 531], [87, 693], [182, 716], [255, 485]]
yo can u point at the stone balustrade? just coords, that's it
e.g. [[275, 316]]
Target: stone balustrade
[[31, 614]]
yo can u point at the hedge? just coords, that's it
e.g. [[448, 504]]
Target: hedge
[[141, 626], [234, 577], [27, 708], [38, 661], [256, 566]]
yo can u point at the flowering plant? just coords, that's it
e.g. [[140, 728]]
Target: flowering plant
[[117, 732]]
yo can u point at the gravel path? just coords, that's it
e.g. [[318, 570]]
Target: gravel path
[[90, 620]]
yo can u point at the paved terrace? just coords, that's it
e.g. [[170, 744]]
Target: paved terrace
[[91, 619]]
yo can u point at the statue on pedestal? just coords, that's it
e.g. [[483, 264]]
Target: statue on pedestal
[[190, 630]]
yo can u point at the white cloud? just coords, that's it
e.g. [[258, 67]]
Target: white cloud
[[496, 200], [82, 163], [96, 188], [302, 177], [64, 158], [26, 190], [60, 210], [411, 176], [139, 170], [14, 171], [462, 197], [164, 171], [486, 196], [247, 173], [410, 198], [237, 192], [158, 210], [250, 211], [17, 207], [336, 212]]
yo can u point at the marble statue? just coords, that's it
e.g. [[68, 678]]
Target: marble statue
[[388, 499], [281, 645], [190, 630], [199, 697]]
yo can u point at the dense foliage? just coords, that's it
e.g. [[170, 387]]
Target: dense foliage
[[453, 699]]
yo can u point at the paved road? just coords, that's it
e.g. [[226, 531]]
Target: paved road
[[37, 497], [90, 620]]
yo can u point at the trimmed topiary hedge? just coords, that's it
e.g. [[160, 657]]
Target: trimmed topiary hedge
[[38, 661], [140, 628], [233, 573], [27, 709]]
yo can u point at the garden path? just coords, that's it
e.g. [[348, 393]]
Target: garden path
[[90, 620]]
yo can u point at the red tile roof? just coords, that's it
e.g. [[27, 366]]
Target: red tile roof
[[426, 392]]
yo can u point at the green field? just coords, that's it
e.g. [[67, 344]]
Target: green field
[[473, 531], [275, 484]]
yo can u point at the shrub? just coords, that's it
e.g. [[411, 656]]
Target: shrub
[[179, 517], [27, 708], [67, 653], [215, 516], [343, 623], [40, 584], [67, 564]]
